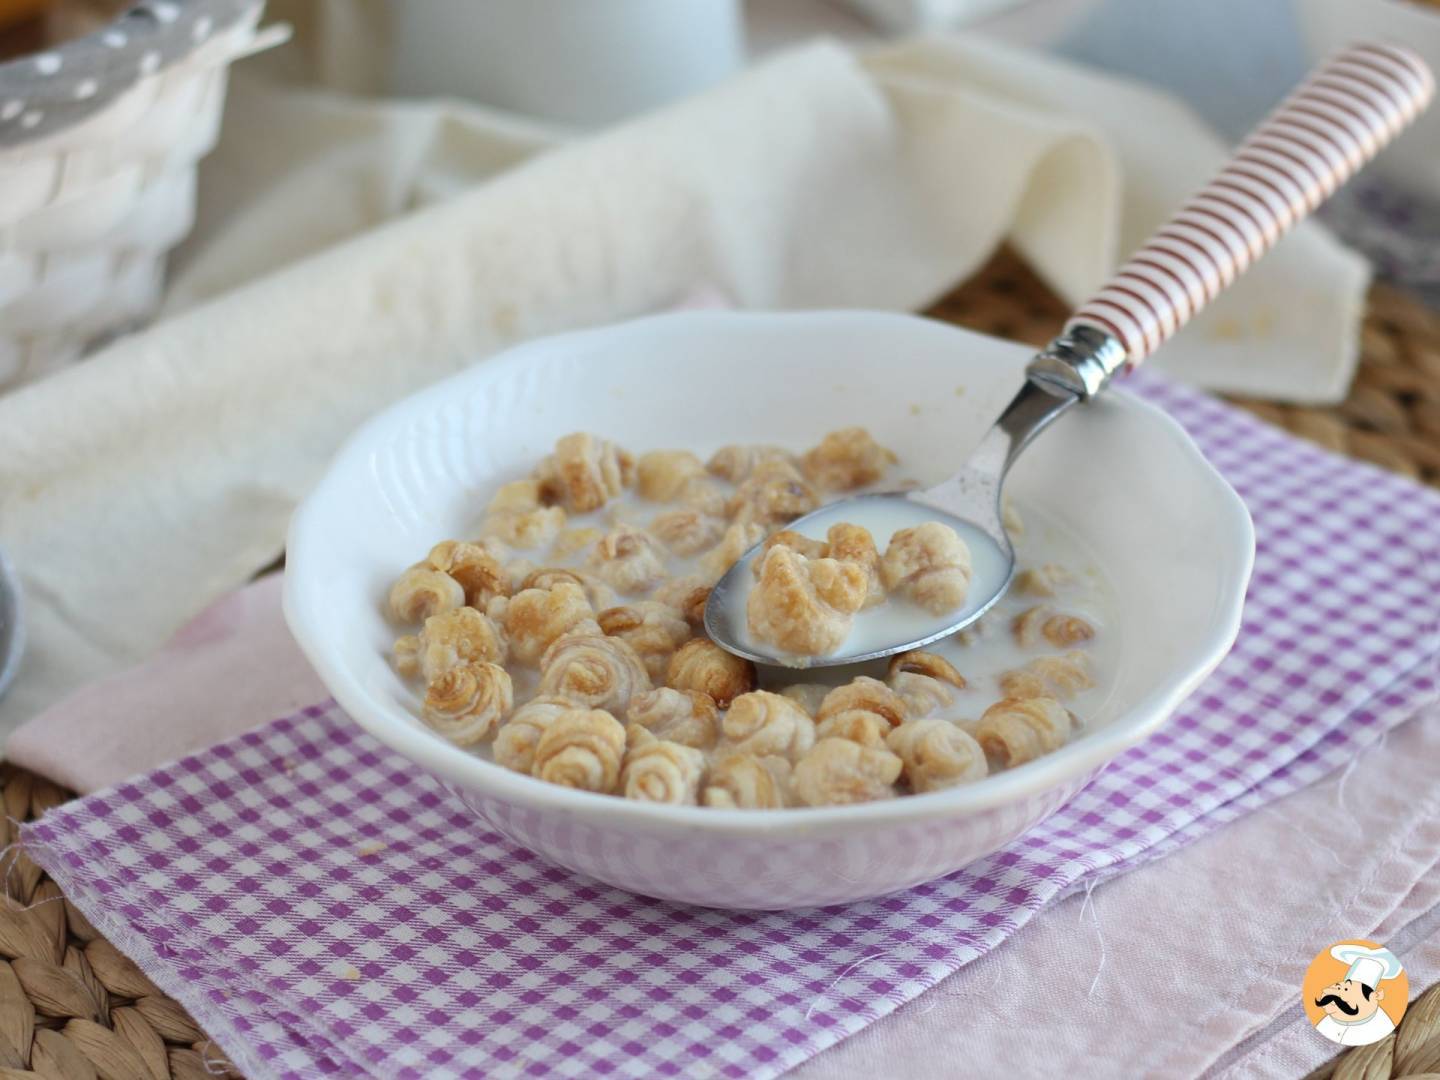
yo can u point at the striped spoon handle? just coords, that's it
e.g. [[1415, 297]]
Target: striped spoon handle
[[1313, 142]]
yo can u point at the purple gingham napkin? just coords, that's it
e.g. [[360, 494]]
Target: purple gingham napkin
[[323, 909]]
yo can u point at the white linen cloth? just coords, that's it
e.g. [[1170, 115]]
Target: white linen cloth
[[142, 484]]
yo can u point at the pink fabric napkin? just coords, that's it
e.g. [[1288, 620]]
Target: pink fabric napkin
[[228, 669], [322, 908]]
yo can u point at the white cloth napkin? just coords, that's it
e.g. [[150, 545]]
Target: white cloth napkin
[[142, 484]]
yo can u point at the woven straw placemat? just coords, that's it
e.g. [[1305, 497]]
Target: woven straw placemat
[[72, 1006]]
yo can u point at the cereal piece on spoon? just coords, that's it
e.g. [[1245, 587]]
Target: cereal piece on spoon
[[930, 564], [804, 606]]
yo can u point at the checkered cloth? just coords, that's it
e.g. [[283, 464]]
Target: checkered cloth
[[321, 908]]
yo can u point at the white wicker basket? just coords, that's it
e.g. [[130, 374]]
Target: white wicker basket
[[99, 140]]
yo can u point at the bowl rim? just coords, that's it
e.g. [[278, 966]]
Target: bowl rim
[[456, 765]]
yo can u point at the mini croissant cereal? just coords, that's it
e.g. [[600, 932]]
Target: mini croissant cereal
[[687, 717], [737, 539], [1015, 730], [930, 564], [687, 595], [1033, 624], [456, 637], [857, 725], [533, 618], [599, 594], [687, 532], [937, 754], [423, 591], [467, 703], [868, 695], [593, 670], [660, 475], [919, 662], [838, 771], [516, 741], [1044, 580], [764, 723], [582, 748], [922, 694], [853, 544], [736, 463], [702, 665], [847, 459], [479, 573], [660, 771], [1048, 676], [587, 472], [654, 630], [568, 642], [630, 560], [804, 606], [773, 493], [740, 781]]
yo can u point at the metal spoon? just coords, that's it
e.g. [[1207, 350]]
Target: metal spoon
[[1319, 137]]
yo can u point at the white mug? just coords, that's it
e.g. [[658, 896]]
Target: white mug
[[585, 62]]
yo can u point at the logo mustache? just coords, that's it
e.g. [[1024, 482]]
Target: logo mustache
[[1339, 1002]]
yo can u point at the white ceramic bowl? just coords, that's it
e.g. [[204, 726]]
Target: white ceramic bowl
[[1174, 540]]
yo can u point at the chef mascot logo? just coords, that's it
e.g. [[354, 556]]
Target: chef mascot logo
[[1355, 993]]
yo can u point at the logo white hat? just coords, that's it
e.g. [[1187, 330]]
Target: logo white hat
[[1367, 966]]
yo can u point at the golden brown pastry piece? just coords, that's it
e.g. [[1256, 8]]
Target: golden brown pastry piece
[[455, 637], [736, 463], [661, 771], [702, 665], [937, 754], [1037, 623], [533, 618], [922, 694], [687, 532], [516, 741], [804, 606], [593, 670], [422, 591], [738, 538], [868, 695], [660, 475], [930, 564], [517, 516], [628, 559], [467, 703], [837, 771], [1044, 580], [582, 748], [1059, 677], [687, 717], [739, 781], [763, 723], [857, 725], [773, 493], [599, 594], [853, 544], [585, 472], [654, 630], [688, 596], [573, 541], [479, 573], [1016, 730], [920, 662], [846, 459], [797, 542]]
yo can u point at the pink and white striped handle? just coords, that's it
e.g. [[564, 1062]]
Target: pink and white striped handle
[[1312, 143]]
